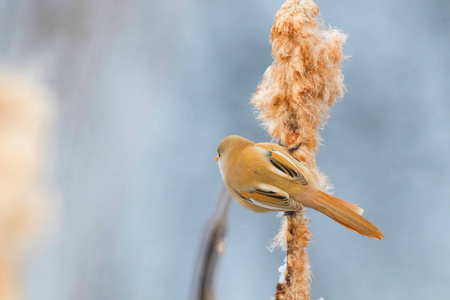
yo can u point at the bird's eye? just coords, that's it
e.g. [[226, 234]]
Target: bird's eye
[[219, 154]]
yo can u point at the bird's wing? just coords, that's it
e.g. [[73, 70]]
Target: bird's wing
[[283, 162], [269, 197]]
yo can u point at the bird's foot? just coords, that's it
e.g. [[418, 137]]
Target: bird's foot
[[291, 149], [288, 213]]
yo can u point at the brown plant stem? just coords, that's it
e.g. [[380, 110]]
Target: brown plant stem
[[297, 269], [212, 246]]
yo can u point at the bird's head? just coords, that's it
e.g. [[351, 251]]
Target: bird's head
[[229, 145]]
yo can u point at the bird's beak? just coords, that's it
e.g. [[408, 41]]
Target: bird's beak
[[216, 158]]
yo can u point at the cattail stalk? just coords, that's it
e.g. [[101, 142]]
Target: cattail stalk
[[293, 101], [24, 118]]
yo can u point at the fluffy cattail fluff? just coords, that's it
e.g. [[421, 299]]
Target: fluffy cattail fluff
[[24, 118], [293, 100]]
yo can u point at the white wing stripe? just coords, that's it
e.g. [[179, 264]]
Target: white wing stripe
[[287, 158], [264, 206]]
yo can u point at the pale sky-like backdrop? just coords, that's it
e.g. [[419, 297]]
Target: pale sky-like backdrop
[[145, 91]]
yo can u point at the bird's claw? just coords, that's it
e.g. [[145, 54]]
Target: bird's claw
[[291, 149]]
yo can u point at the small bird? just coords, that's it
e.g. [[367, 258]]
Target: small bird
[[265, 177]]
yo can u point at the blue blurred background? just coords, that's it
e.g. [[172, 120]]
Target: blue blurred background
[[147, 89]]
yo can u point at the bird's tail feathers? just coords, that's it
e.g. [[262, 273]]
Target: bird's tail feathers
[[345, 213]]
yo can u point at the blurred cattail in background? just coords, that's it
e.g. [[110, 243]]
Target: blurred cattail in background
[[25, 114], [293, 100]]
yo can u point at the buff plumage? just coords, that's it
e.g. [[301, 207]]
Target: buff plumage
[[265, 177]]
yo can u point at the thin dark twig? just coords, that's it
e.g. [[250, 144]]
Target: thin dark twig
[[213, 236]]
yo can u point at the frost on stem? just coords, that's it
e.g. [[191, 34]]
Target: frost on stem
[[292, 102], [24, 118]]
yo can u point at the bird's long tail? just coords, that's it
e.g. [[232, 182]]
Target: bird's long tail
[[345, 213]]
